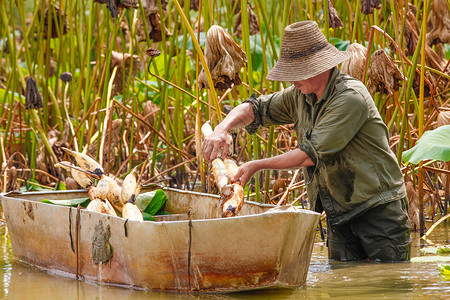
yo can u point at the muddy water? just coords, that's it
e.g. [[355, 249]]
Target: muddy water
[[325, 280]]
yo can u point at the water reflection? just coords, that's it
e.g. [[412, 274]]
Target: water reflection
[[326, 279]]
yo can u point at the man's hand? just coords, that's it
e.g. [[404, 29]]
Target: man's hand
[[289, 160], [217, 142], [245, 172]]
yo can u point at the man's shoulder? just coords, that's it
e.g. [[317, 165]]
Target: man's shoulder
[[352, 87]]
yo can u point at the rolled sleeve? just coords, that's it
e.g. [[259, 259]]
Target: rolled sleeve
[[274, 109], [253, 127], [309, 149]]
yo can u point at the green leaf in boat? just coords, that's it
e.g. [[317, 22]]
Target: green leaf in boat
[[444, 269], [61, 186], [70, 202], [162, 212], [147, 217], [151, 202], [32, 185], [443, 250]]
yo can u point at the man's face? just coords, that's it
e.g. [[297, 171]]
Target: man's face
[[307, 86]]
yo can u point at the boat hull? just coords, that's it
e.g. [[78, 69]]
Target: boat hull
[[197, 252]]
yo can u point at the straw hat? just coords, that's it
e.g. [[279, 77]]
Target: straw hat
[[305, 53]]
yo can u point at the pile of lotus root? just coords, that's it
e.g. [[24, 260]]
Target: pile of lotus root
[[107, 194], [231, 194]]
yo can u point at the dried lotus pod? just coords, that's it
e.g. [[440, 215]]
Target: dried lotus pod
[[33, 98], [152, 52], [443, 118], [66, 77], [224, 59], [253, 27], [383, 74], [357, 62], [333, 16], [440, 21]]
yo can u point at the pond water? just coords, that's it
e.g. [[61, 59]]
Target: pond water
[[325, 279]]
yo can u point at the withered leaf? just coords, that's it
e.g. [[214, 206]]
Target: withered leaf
[[253, 27], [114, 5], [123, 61], [367, 6], [334, 20], [412, 31], [383, 74], [224, 59], [194, 4], [33, 98], [357, 62], [152, 21], [443, 118], [57, 18], [440, 23]]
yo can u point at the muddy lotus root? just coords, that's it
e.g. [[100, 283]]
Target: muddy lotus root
[[224, 59], [383, 74], [357, 62]]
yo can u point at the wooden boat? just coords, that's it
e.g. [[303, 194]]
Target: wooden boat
[[192, 250]]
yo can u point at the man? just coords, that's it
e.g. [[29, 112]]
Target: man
[[350, 171]]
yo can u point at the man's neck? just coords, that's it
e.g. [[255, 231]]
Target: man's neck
[[322, 81]]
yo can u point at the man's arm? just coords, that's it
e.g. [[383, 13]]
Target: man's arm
[[289, 160], [240, 116]]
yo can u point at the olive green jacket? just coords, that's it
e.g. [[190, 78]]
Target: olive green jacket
[[345, 137]]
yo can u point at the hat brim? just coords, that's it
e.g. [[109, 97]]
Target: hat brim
[[307, 67]]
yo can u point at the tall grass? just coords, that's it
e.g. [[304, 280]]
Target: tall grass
[[167, 135]]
